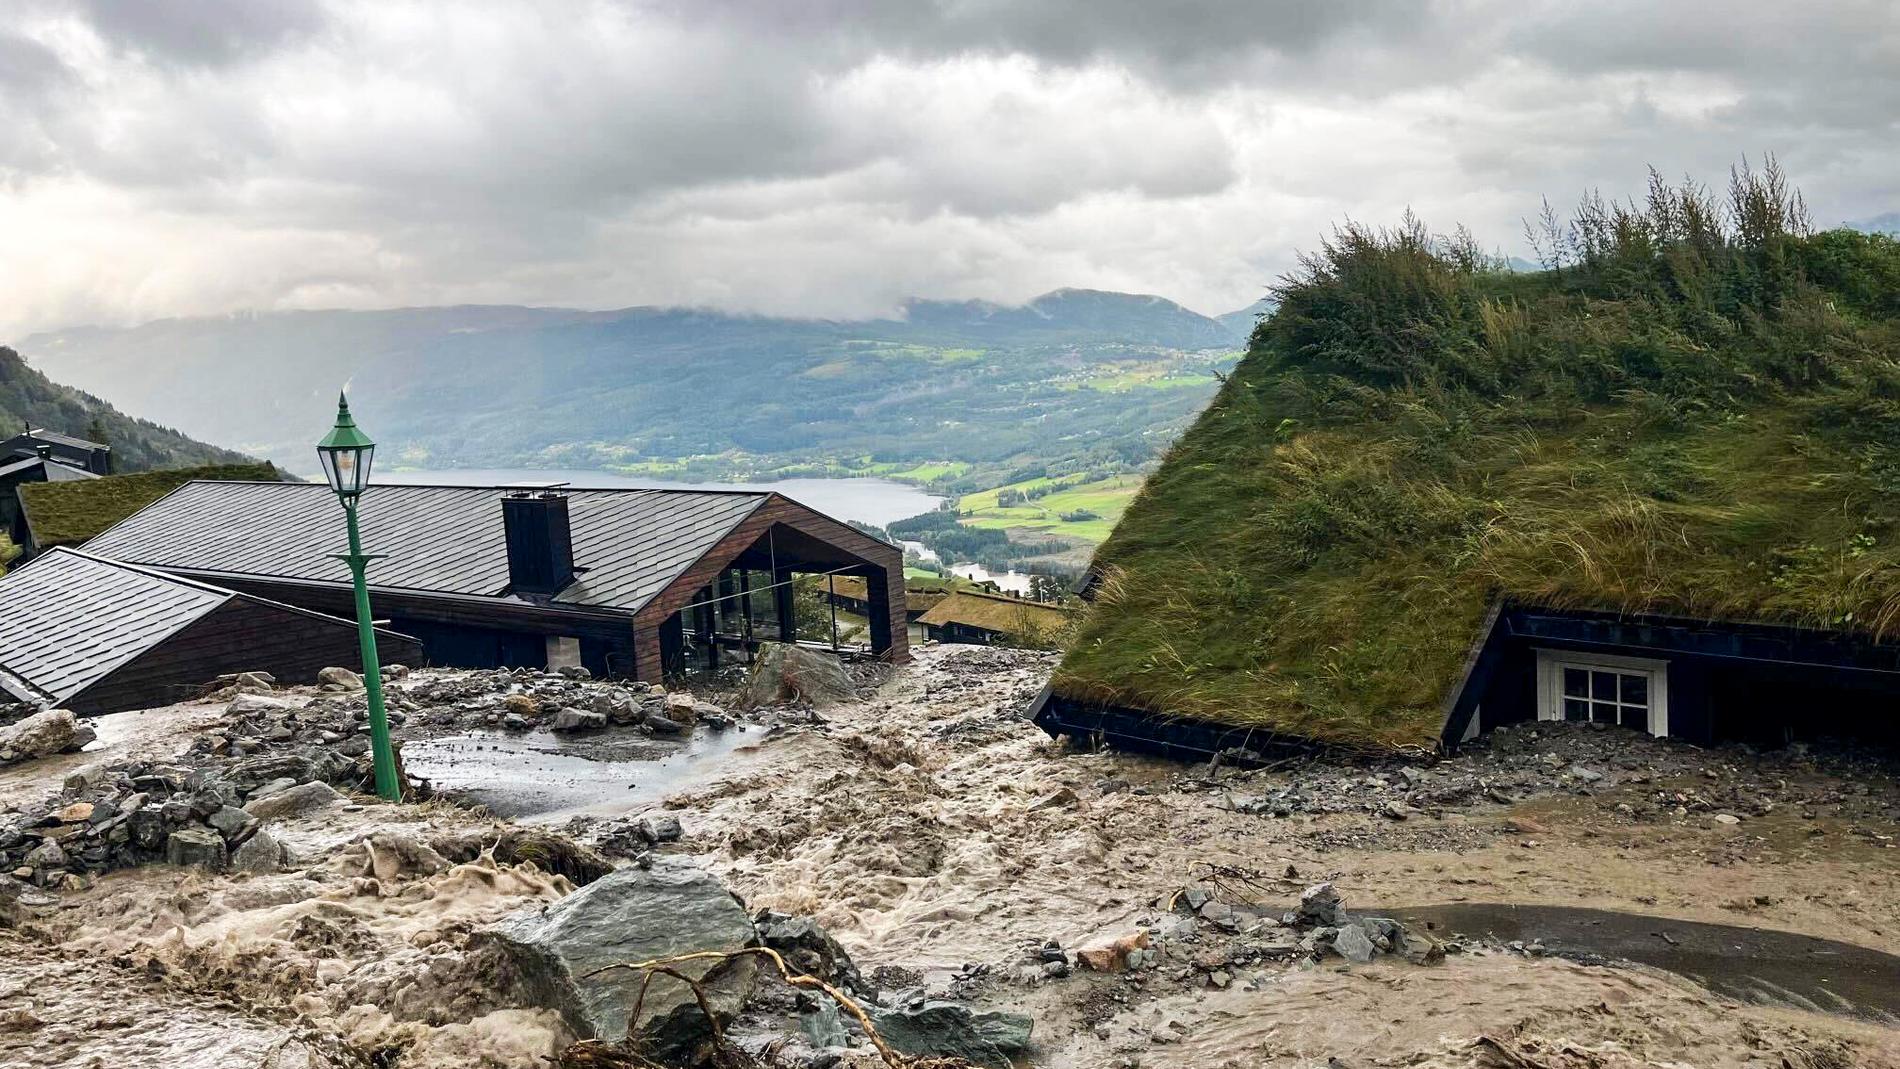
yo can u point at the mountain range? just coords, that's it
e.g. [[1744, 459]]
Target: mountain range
[[1082, 377]]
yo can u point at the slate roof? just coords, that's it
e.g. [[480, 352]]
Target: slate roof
[[67, 620], [438, 539], [56, 438], [55, 471]]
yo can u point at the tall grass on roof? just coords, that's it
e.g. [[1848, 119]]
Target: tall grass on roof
[[1694, 410]]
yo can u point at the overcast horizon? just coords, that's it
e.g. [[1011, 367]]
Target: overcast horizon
[[165, 158]]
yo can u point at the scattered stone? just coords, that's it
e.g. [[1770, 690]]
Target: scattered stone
[[660, 725], [661, 828], [1352, 943], [1111, 955], [1319, 904], [293, 801], [340, 677], [1061, 798], [1727, 818], [261, 854], [198, 847], [74, 813], [571, 719]]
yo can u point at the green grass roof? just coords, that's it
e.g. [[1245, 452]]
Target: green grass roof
[[67, 514], [1698, 414]]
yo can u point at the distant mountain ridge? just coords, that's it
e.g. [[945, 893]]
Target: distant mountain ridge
[[518, 386], [29, 398]]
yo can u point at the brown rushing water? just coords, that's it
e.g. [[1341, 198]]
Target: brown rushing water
[[1758, 965]]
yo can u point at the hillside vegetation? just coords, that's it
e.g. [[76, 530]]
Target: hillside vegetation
[[965, 396], [1695, 410], [30, 398]]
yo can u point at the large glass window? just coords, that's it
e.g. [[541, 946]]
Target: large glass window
[[1605, 695]]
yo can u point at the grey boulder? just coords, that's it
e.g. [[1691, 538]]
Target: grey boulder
[[42, 734], [784, 673], [199, 847], [632, 914], [571, 719], [293, 801]]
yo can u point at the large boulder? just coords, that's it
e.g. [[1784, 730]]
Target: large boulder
[[42, 734], [633, 914], [784, 673]]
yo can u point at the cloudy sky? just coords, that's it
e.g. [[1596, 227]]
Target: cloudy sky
[[830, 157]]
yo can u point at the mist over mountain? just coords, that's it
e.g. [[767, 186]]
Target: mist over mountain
[[30, 399], [487, 385]]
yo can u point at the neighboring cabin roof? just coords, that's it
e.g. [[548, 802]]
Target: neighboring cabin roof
[[56, 438], [55, 471], [69, 513], [437, 539], [853, 587], [995, 612], [71, 619]]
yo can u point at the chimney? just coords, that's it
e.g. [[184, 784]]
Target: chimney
[[44, 450], [540, 546]]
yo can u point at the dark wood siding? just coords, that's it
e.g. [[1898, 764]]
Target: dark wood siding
[[241, 635]]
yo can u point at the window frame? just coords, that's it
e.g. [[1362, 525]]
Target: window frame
[[1550, 666]]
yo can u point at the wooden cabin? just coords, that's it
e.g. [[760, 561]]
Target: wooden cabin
[[99, 636], [970, 616], [625, 582], [849, 594], [73, 452]]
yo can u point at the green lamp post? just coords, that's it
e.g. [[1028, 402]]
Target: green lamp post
[[346, 453]]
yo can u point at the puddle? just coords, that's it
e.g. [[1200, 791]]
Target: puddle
[[1756, 965], [541, 777]]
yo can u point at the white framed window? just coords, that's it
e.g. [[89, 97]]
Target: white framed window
[[1631, 692]]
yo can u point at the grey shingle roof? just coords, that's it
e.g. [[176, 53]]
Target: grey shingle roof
[[438, 539], [68, 620]]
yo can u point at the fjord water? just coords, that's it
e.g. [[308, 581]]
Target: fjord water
[[875, 501]]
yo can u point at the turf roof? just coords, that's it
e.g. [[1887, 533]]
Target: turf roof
[[69, 513], [1697, 413]]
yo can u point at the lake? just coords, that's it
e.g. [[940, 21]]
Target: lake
[[874, 501]]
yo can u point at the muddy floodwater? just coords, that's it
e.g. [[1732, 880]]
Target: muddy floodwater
[[542, 777], [1758, 965]]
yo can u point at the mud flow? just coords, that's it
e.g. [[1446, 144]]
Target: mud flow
[[1762, 966]]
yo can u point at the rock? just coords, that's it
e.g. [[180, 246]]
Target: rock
[[660, 725], [574, 671], [1583, 775], [572, 719], [632, 914], [293, 802], [1727, 818], [942, 1029], [256, 682], [232, 823], [680, 707], [823, 1026], [808, 948], [1354, 945], [661, 828], [261, 854], [259, 704], [1396, 810], [341, 677], [48, 855], [86, 777], [1319, 904], [1220, 978], [74, 813], [521, 705], [43, 734], [785, 673], [515, 722], [280, 784], [199, 847], [1112, 955], [1419, 948]]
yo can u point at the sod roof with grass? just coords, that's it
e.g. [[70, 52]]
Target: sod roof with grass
[[70, 513], [1694, 411]]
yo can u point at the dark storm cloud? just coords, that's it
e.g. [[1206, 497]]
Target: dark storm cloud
[[833, 156], [201, 32]]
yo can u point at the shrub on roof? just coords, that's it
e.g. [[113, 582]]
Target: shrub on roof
[[1694, 410], [70, 513]]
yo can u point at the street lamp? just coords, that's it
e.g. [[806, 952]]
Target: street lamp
[[346, 453]]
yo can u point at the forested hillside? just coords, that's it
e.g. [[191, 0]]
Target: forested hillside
[[29, 398]]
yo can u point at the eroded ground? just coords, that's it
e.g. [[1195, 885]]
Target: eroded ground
[[944, 840]]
